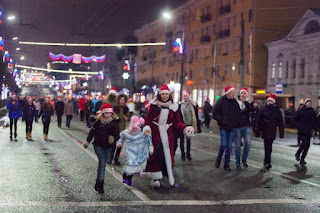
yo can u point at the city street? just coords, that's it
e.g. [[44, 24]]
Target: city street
[[58, 175]]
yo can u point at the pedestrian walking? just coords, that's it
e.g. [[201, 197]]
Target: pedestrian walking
[[59, 110], [244, 130], [136, 149], [307, 120], [14, 108], [82, 108], [98, 105], [269, 118], [28, 116], [88, 106], [69, 111], [189, 116], [94, 102], [316, 140], [227, 114], [162, 117], [207, 111], [112, 97], [76, 105], [37, 107], [123, 113], [46, 112], [253, 116], [105, 131]]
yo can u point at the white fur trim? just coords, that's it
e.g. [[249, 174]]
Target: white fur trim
[[151, 149], [146, 128], [174, 107], [188, 134], [271, 99], [232, 88], [164, 91], [307, 99], [113, 92], [152, 175], [107, 110]]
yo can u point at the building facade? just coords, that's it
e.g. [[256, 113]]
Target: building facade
[[294, 62], [223, 43]]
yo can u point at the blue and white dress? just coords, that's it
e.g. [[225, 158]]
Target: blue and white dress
[[136, 148]]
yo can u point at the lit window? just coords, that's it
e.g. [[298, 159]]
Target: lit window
[[273, 71], [280, 69]]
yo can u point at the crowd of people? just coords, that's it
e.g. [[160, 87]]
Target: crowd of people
[[150, 142]]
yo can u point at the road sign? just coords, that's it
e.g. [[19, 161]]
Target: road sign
[[279, 88]]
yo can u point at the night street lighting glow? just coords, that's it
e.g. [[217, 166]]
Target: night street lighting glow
[[15, 38], [10, 18], [22, 58], [166, 15], [92, 45], [18, 48]]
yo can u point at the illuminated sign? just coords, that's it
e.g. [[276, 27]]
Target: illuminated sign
[[261, 92], [178, 46]]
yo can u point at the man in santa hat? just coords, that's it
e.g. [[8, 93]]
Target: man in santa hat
[[112, 97], [189, 115], [269, 118], [162, 117], [226, 112], [244, 130], [307, 120]]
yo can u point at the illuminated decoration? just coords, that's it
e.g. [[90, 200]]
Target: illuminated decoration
[[11, 63], [124, 91], [92, 45], [189, 83], [6, 56], [0, 17], [61, 71], [217, 97], [77, 58], [125, 75], [1, 44], [126, 65], [261, 92], [178, 46], [100, 75]]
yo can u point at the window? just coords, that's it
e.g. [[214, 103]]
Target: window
[[196, 56], [273, 71], [227, 23], [212, 72], [287, 69], [233, 68], [312, 27], [214, 29], [219, 48], [202, 31], [234, 21], [206, 73], [190, 75], [225, 47], [233, 45], [212, 50], [280, 69], [207, 30], [250, 15], [177, 76], [172, 76], [220, 25], [225, 69], [302, 67], [294, 67]]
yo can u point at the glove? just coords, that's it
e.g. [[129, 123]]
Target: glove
[[111, 139], [85, 145]]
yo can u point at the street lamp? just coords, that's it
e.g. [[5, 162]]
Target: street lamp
[[166, 15], [22, 58], [11, 18], [18, 48], [15, 38]]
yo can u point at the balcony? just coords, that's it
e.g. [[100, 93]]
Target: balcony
[[224, 9], [205, 18], [205, 38]]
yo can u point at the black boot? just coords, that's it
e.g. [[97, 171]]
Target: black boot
[[189, 150], [10, 136], [99, 187], [183, 157], [15, 135], [116, 161]]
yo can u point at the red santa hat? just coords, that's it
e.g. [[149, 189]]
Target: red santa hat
[[106, 107], [306, 100], [272, 98], [244, 90], [164, 89], [186, 93], [113, 91], [228, 89]]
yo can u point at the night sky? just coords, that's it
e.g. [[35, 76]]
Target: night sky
[[85, 21]]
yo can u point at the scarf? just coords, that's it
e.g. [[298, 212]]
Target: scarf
[[162, 104], [105, 120]]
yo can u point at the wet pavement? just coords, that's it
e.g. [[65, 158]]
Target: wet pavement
[[58, 175]]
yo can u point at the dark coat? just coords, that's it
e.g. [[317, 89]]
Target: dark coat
[[101, 132], [88, 105], [14, 114], [59, 108], [254, 116], [227, 113], [306, 121], [244, 118], [269, 118], [207, 108], [46, 112], [29, 112], [97, 107]]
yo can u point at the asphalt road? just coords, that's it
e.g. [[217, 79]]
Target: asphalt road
[[59, 175]]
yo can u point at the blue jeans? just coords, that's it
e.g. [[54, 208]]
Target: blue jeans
[[227, 137], [103, 155], [245, 133]]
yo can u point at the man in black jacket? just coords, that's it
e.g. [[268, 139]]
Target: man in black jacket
[[269, 118], [306, 121], [207, 109], [59, 110], [226, 113]]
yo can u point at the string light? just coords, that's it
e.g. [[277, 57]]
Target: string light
[[92, 45], [61, 71]]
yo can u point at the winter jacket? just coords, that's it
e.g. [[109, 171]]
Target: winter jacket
[[81, 104], [111, 99], [14, 114], [23, 102], [207, 108], [53, 104], [46, 112], [94, 102], [226, 112], [88, 105], [98, 105], [269, 118], [306, 121], [244, 118], [196, 124], [254, 115], [101, 132], [68, 108], [59, 108], [29, 112], [122, 111], [37, 105]]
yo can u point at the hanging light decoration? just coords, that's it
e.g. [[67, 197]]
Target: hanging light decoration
[[87, 60]]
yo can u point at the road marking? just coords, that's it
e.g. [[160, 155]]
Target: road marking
[[162, 203], [111, 170], [259, 167]]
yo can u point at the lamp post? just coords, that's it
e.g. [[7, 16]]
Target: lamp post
[[167, 17]]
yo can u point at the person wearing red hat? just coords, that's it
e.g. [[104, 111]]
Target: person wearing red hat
[[189, 115], [269, 118], [226, 112], [112, 97], [105, 132], [307, 120], [161, 119], [244, 130], [82, 108]]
